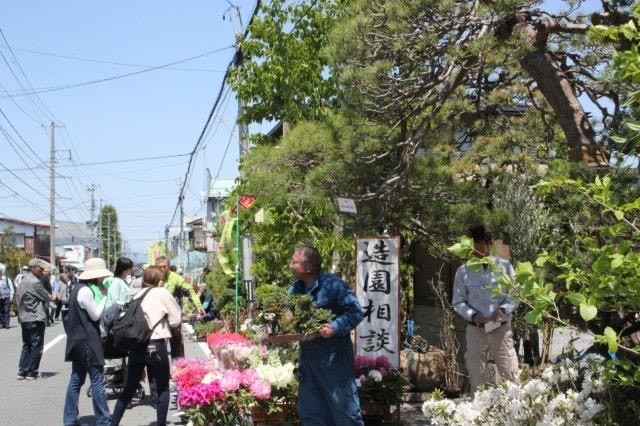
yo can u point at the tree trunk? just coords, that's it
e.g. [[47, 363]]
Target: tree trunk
[[557, 90]]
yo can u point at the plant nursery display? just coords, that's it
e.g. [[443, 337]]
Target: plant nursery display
[[241, 382]]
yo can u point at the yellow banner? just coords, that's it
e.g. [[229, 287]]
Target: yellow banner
[[155, 250]]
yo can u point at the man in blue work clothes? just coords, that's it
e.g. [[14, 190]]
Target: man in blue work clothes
[[327, 392]]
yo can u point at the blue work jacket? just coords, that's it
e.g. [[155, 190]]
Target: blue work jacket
[[332, 293]]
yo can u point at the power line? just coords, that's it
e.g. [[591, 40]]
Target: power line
[[213, 109], [115, 77], [12, 142], [18, 105], [29, 202], [26, 79], [97, 163], [102, 61], [20, 136]]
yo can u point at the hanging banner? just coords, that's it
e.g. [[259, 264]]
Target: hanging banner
[[378, 290], [227, 248], [154, 251]]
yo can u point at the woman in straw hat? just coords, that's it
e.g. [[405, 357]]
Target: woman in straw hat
[[84, 346]]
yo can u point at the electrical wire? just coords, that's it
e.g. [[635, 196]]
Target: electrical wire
[[29, 202], [98, 163], [102, 61], [26, 79], [111, 78], [21, 138], [213, 109]]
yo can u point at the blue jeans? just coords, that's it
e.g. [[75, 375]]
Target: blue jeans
[[5, 312], [32, 344], [79, 372]]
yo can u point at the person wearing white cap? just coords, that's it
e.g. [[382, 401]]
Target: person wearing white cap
[[20, 276], [84, 345], [29, 298], [6, 295]]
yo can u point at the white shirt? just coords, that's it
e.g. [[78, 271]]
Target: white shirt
[[87, 302], [473, 291]]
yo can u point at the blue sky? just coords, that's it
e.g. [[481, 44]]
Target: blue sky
[[156, 113]]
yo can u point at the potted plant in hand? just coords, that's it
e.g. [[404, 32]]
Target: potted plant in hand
[[288, 318]]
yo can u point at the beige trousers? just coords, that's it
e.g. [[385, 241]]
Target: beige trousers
[[500, 343]]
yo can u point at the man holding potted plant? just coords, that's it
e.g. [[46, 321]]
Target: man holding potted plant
[[327, 391]]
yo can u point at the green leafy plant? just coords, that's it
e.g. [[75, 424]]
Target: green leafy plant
[[201, 329], [281, 313]]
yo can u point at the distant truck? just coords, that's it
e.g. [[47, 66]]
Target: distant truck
[[74, 255]]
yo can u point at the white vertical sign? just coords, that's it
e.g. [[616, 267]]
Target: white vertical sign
[[378, 289]]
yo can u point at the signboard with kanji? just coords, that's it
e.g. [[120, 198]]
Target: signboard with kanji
[[378, 289]]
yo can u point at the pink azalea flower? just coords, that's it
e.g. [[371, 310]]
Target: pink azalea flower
[[199, 395], [249, 376], [260, 389], [231, 380], [191, 373]]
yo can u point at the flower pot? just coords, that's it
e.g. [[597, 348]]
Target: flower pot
[[258, 415], [371, 409], [375, 413]]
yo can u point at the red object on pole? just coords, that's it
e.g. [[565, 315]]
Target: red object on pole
[[246, 201]]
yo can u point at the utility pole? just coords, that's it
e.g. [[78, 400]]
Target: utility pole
[[92, 223], [109, 239], [245, 249], [166, 239], [181, 246], [52, 233], [100, 232]]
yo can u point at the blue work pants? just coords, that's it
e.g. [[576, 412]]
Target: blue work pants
[[327, 391]]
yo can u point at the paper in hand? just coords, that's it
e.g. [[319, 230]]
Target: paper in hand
[[489, 326]]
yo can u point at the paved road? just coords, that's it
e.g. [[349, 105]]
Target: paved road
[[41, 401]]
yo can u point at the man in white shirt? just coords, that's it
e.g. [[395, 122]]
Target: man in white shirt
[[20, 276], [6, 296], [488, 315]]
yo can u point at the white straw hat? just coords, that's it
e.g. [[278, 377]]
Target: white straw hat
[[95, 268]]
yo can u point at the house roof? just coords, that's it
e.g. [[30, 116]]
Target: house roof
[[23, 222], [73, 232], [220, 188]]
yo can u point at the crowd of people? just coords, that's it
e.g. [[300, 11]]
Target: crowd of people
[[89, 301], [83, 300]]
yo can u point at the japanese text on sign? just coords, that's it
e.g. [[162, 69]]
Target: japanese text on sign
[[377, 291]]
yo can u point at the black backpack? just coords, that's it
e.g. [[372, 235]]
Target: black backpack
[[130, 329]]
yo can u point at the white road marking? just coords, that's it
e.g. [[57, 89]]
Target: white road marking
[[203, 345], [205, 348], [53, 342]]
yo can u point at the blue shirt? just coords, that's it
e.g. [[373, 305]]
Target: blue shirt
[[332, 293]]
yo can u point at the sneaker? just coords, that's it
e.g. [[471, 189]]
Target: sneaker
[[21, 377], [32, 377]]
